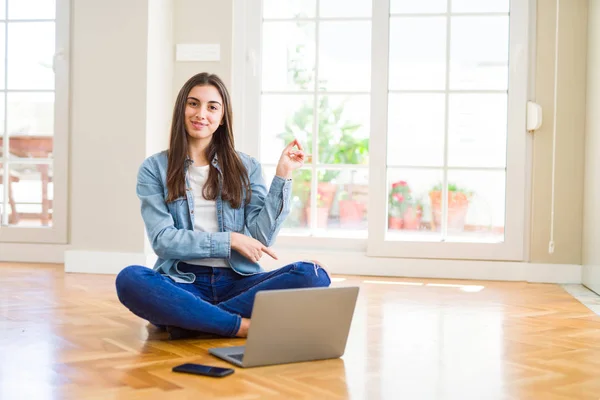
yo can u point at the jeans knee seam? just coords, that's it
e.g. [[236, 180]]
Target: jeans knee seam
[[251, 287], [240, 293]]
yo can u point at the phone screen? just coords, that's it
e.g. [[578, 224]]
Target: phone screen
[[200, 369]]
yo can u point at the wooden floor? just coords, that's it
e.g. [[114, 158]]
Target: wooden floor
[[65, 336]]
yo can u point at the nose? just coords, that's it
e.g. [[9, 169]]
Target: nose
[[201, 113]]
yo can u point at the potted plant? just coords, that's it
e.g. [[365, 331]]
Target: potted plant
[[322, 212], [300, 197], [458, 205], [352, 211], [404, 211], [413, 215], [337, 143]]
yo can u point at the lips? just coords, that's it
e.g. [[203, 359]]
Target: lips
[[198, 125]]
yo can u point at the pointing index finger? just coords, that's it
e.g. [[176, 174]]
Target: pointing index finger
[[269, 252]]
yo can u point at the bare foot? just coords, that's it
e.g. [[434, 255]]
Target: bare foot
[[244, 326]]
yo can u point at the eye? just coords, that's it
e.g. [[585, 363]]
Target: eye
[[192, 103], [214, 108]]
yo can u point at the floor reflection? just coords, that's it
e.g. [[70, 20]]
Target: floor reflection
[[409, 341], [28, 354], [66, 336]]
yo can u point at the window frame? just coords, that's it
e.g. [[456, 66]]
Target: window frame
[[57, 232], [247, 87]]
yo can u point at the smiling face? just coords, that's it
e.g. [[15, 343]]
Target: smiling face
[[203, 113]]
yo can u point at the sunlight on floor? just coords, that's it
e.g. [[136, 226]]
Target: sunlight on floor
[[464, 288], [395, 283]]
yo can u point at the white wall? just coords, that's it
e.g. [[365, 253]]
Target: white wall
[[160, 73], [591, 230], [206, 22], [122, 85], [159, 101], [570, 127], [108, 122]]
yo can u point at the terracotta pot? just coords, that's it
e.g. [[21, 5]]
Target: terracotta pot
[[458, 205], [395, 223], [351, 211], [412, 219], [326, 191], [322, 216]]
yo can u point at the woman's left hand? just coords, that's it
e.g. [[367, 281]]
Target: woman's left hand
[[290, 160]]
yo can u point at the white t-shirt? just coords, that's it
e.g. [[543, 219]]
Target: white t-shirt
[[205, 213]]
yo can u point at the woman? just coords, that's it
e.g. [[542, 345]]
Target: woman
[[210, 219]]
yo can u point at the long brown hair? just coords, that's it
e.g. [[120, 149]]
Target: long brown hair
[[235, 175]]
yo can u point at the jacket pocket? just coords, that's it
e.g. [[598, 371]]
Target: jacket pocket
[[177, 209], [233, 218]]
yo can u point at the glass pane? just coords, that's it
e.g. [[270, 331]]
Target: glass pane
[[25, 146], [409, 205], [3, 9], [341, 201], [2, 57], [288, 60], [301, 179], [1, 191], [289, 8], [343, 129], [476, 206], [345, 8], [418, 53], [1, 120], [30, 55], [477, 130], [285, 117], [416, 129], [30, 123], [31, 193], [1, 202], [345, 56], [326, 192], [476, 6], [421, 6], [479, 53], [31, 9]]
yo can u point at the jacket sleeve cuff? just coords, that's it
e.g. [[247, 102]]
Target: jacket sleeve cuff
[[220, 245], [280, 185]]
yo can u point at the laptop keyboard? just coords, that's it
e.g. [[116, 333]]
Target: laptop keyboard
[[238, 357]]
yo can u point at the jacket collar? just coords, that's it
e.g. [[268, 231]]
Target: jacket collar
[[214, 162]]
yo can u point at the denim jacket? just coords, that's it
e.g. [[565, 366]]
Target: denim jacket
[[170, 226]]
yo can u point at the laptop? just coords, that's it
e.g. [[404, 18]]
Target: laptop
[[295, 325]]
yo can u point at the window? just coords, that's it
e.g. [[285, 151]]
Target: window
[[33, 128], [413, 112]]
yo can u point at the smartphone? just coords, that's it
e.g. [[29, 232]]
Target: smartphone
[[206, 370]]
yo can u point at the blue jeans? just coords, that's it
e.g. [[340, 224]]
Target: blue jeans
[[215, 302]]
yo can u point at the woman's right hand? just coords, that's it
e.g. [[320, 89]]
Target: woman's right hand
[[249, 247]]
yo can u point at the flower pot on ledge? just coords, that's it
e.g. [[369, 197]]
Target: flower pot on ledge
[[458, 205], [351, 211], [412, 218], [322, 216], [395, 223]]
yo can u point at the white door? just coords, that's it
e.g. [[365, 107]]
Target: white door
[[414, 113]]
